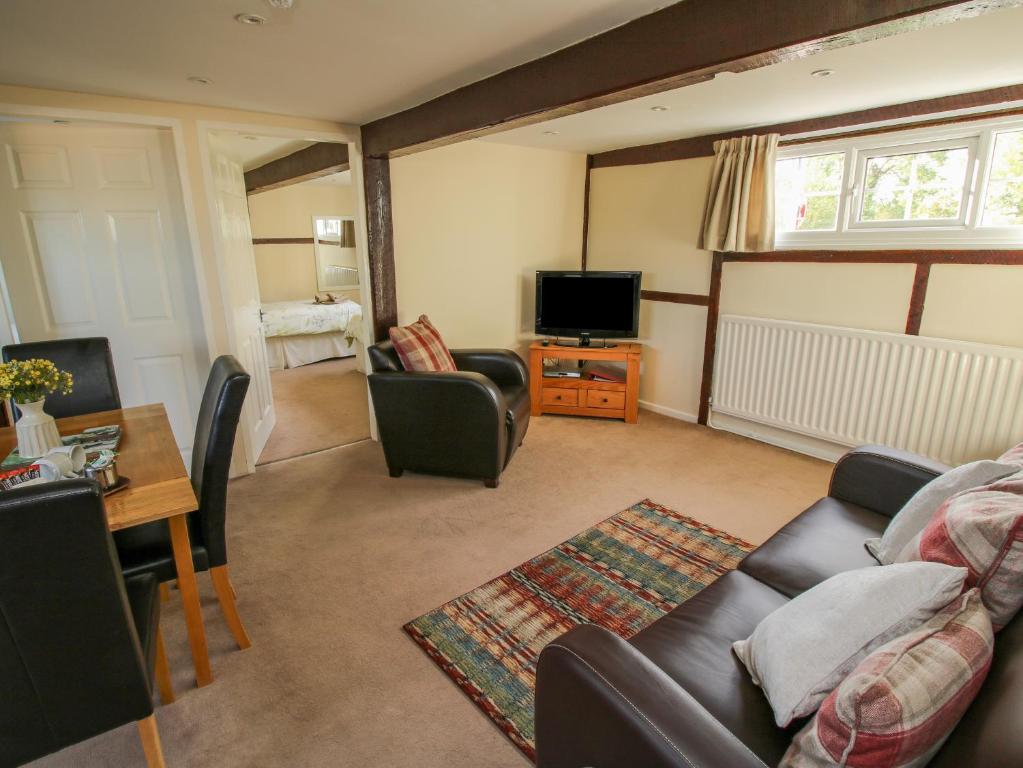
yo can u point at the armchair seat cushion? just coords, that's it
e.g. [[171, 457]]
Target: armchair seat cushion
[[693, 645], [827, 539]]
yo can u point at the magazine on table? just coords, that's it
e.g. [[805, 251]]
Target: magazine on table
[[92, 440]]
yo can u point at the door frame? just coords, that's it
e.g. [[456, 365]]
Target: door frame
[[349, 136]]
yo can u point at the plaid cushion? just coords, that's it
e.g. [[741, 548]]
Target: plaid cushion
[[981, 530], [1012, 456], [420, 347], [900, 704]]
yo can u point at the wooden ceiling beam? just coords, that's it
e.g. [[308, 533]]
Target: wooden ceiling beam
[[685, 43], [321, 159], [703, 146]]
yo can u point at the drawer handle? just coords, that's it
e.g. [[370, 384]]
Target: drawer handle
[[557, 397], [605, 400]]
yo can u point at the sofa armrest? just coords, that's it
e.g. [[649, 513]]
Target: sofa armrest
[[502, 366], [882, 479], [600, 702]]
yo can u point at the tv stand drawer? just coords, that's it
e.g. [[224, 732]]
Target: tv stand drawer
[[601, 398], [560, 396]]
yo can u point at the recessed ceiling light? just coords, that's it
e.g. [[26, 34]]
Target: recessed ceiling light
[[250, 18], [200, 80], [822, 73], [284, 4], [551, 133], [659, 108]]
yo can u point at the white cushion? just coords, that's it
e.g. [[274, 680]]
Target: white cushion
[[803, 650], [919, 510]]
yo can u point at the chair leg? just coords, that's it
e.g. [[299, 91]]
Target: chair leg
[[164, 593], [491, 482], [395, 472], [151, 742], [225, 595], [163, 677]]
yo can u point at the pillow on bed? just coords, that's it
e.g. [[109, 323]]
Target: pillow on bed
[[420, 347]]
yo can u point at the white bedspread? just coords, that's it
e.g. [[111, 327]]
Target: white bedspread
[[296, 318]]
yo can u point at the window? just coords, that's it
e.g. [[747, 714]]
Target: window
[[948, 186], [807, 192], [900, 188], [1004, 203]]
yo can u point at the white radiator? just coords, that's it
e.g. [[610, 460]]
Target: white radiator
[[953, 401]]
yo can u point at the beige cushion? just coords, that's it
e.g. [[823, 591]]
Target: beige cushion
[[803, 650]]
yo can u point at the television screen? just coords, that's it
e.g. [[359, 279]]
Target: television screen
[[601, 304]]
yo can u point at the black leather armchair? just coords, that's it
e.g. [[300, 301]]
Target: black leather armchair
[[89, 362], [467, 423], [79, 645]]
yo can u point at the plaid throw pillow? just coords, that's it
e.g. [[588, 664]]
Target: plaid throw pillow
[[980, 530], [900, 704], [420, 347]]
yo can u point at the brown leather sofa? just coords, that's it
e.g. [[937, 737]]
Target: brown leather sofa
[[676, 695]]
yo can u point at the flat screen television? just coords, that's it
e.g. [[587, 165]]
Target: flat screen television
[[588, 304]]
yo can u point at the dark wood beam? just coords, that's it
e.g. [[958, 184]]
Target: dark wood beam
[[710, 342], [696, 299], [918, 299], [703, 146], [685, 43], [920, 256], [586, 210], [380, 234], [321, 159]]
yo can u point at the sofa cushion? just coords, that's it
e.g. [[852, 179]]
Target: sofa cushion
[[693, 645], [981, 530], [919, 510], [826, 539], [902, 701], [801, 652]]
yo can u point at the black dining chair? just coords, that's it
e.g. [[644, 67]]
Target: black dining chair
[[90, 363], [80, 645], [147, 548]]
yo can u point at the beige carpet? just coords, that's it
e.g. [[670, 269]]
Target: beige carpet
[[318, 406], [330, 557]]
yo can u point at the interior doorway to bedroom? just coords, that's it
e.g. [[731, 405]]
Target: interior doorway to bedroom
[[303, 238]]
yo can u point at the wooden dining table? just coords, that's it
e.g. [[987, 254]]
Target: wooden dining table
[[158, 489]]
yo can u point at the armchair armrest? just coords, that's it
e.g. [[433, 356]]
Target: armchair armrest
[[882, 479], [600, 702], [440, 422], [502, 366]]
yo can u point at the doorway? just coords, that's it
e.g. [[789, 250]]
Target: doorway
[[308, 287]]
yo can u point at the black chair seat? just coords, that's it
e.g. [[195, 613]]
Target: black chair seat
[[693, 645], [825, 540], [147, 549]]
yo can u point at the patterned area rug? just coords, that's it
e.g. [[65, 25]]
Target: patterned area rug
[[622, 574]]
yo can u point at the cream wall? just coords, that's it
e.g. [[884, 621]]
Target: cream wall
[[288, 272], [189, 116], [472, 223], [648, 217]]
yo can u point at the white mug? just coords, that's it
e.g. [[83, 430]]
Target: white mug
[[70, 459]]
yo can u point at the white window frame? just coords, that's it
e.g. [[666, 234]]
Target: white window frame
[[965, 232]]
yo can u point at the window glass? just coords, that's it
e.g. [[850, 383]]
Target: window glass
[[807, 192], [1004, 201], [915, 186]]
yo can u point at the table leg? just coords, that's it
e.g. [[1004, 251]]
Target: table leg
[[190, 598]]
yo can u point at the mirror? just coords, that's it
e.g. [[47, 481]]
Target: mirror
[[334, 242]]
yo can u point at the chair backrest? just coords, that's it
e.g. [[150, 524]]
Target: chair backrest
[[383, 357], [211, 452], [89, 362], [70, 662]]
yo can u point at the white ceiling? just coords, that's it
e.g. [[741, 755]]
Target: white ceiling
[[345, 60], [967, 55], [253, 151]]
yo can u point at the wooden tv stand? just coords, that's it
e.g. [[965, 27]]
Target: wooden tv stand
[[582, 397]]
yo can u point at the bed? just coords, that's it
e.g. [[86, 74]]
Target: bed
[[302, 332]]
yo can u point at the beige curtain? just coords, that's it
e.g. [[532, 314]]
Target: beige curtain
[[740, 204]]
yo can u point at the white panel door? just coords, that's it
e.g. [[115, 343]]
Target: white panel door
[[92, 243], [241, 294]]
